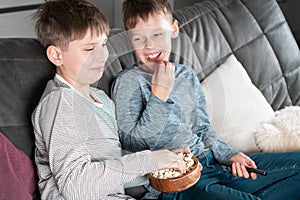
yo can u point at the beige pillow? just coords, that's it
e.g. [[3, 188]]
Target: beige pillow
[[235, 106], [282, 133]]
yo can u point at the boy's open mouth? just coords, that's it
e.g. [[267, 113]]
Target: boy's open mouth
[[153, 57]]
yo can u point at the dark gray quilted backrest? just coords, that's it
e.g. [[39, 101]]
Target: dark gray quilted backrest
[[24, 72], [255, 31]]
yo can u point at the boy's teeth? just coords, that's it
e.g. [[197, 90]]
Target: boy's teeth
[[152, 56]]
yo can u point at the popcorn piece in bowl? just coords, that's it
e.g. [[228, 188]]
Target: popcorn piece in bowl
[[172, 173]]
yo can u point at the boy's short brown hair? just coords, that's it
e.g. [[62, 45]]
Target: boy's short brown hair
[[62, 21], [133, 10]]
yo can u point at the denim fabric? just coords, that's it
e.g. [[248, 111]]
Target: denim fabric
[[216, 182]]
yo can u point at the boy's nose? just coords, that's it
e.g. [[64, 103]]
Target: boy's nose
[[101, 54], [149, 43]]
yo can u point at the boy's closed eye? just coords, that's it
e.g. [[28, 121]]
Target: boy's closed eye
[[138, 38], [90, 49], [158, 34], [94, 46]]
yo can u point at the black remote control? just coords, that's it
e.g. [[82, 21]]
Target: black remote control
[[249, 169]]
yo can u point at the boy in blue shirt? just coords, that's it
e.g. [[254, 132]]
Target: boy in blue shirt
[[160, 104]]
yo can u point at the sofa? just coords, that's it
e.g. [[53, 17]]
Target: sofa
[[252, 33]]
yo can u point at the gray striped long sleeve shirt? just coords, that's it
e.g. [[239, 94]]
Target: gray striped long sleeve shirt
[[78, 153]]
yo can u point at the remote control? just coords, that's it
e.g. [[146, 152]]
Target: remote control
[[249, 169]]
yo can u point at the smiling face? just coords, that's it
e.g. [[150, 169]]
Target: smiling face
[[82, 63], [151, 40]]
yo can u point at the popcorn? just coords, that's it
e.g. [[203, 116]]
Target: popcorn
[[172, 173]]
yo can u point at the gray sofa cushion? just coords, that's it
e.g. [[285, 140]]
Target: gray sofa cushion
[[24, 71], [255, 31]]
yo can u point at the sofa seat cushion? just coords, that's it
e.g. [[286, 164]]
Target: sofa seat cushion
[[235, 106]]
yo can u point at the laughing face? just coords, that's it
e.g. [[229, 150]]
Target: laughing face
[[151, 40]]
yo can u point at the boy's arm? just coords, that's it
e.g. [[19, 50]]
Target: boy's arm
[[141, 116], [203, 129]]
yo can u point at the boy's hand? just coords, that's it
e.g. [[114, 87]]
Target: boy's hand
[[163, 80], [239, 163], [167, 159]]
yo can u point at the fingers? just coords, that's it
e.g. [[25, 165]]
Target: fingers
[[187, 150], [240, 170], [201, 167], [168, 159], [180, 165], [169, 68], [163, 80], [253, 176], [233, 170], [240, 162], [243, 171], [164, 74]]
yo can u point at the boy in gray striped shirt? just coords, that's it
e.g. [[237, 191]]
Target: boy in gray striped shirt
[[78, 154]]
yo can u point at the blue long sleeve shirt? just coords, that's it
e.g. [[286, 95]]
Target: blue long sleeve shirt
[[146, 122]]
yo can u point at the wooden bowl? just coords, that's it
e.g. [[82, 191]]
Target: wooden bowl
[[180, 183]]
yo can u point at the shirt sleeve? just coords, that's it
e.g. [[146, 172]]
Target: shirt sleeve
[[139, 123], [60, 137], [202, 127]]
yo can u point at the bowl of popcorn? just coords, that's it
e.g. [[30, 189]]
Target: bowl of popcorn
[[171, 180]]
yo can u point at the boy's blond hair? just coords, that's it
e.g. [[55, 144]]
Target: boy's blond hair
[[62, 21], [134, 10]]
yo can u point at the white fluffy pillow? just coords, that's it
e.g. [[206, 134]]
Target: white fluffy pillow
[[282, 133], [235, 106]]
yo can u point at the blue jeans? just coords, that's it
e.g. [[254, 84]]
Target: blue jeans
[[216, 182]]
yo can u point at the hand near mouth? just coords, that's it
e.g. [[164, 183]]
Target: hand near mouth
[[163, 80]]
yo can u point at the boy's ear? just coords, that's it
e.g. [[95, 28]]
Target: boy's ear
[[175, 29], [54, 54]]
